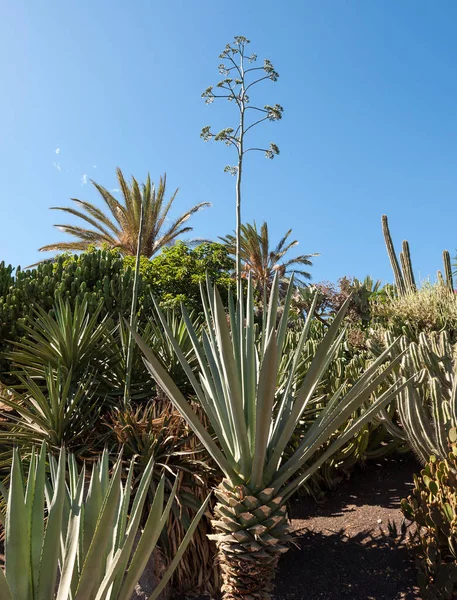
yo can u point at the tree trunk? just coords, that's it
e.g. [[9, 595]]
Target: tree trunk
[[251, 532]]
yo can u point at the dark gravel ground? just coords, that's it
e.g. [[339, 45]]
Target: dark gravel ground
[[342, 547]]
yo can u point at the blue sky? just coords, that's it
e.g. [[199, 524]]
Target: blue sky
[[370, 119]]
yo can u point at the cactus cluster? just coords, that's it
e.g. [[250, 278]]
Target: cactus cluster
[[403, 270], [427, 407], [432, 506]]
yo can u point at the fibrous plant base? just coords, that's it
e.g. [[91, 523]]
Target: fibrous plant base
[[252, 532]]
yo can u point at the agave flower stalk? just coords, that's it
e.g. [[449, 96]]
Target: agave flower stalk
[[253, 409], [85, 549]]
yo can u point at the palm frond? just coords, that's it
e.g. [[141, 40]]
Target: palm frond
[[122, 231]]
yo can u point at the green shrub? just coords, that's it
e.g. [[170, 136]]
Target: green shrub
[[176, 273], [103, 279]]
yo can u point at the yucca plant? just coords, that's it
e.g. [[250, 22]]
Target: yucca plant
[[252, 421], [88, 548], [58, 413], [70, 339]]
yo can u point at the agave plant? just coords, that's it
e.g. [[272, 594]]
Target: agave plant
[[85, 549], [252, 420]]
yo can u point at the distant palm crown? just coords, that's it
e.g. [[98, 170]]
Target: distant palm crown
[[262, 262], [121, 230]]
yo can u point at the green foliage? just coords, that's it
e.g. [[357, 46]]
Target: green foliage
[[432, 506], [95, 278], [103, 280], [262, 261], [240, 459], [175, 275], [373, 440], [59, 412], [253, 405], [71, 339], [427, 406]]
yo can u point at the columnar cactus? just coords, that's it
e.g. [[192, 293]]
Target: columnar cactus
[[427, 406], [407, 268], [393, 257], [403, 270], [448, 270]]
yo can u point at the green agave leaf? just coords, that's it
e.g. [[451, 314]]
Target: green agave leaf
[[103, 531], [72, 541], [264, 414], [16, 548], [51, 545], [182, 548], [175, 396], [5, 590]]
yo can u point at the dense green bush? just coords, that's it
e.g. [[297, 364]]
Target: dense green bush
[[175, 274], [104, 277]]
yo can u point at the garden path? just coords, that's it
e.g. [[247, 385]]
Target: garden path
[[343, 548]]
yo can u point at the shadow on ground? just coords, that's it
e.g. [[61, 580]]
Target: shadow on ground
[[333, 566], [382, 484]]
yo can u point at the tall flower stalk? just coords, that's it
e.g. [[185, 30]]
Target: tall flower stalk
[[239, 78]]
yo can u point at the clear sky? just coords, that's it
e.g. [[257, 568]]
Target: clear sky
[[369, 91]]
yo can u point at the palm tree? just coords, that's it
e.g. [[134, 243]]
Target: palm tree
[[262, 262], [121, 229]]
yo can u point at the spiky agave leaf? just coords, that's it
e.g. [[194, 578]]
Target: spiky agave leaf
[[253, 420], [85, 547]]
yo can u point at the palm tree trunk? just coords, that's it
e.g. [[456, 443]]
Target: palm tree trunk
[[251, 534]]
